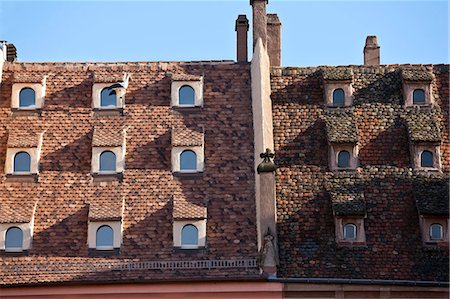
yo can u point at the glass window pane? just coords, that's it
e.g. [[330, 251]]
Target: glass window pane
[[418, 96], [436, 232], [14, 238], [105, 236], [107, 161], [187, 96], [338, 97], [27, 97], [343, 159], [350, 232], [188, 160], [108, 98], [426, 159], [189, 235], [22, 162]]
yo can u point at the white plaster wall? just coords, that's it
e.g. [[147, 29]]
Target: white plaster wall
[[178, 226], [27, 230], [120, 159], [96, 92], [198, 89], [262, 118], [34, 155], [176, 152], [94, 226], [39, 89]]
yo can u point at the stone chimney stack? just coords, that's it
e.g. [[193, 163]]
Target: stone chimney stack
[[371, 51], [11, 53], [259, 21], [241, 38], [274, 39]]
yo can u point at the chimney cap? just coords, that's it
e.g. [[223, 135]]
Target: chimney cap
[[273, 19], [371, 41], [11, 53], [251, 1], [241, 21]]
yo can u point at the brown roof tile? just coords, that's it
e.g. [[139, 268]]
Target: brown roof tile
[[341, 126], [183, 136], [106, 205], [432, 196], [423, 126], [100, 77], [16, 210], [28, 77], [184, 77], [183, 209], [106, 136], [18, 139]]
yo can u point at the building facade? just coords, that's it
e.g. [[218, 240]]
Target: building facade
[[224, 179]]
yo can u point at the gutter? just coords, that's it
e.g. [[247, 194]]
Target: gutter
[[361, 281]]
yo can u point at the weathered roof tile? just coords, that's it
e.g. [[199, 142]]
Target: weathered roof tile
[[25, 139], [183, 209], [423, 126], [106, 205], [416, 74], [183, 136], [341, 126], [432, 196], [337, 74], [108, 136]]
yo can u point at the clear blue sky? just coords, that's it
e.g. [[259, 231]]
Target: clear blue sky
[[314, 32]]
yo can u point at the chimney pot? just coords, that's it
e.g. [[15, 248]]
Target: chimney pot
[[371, 51], [274, 39], [241, 38], [11, 53]]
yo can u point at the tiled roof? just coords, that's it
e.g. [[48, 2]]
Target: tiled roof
[[416, 74], [341, 126], [184, 209], [108, 136], [183, 136], [106, 205], [432, 196], [18, 139], [337, 74], [184, 77], [423, 126], [347, 203], [28, 78], [100, 77], [16, 211]]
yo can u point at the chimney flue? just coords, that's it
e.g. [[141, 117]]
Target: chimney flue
[[274, 39], [241, 38], [259, 21], [371, 51], [11, 53]]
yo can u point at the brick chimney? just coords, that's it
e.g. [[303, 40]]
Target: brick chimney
[[371, 51], [274, 39], [241, 38], [11, 53], [259, 21]]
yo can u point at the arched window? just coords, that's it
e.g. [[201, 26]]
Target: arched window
[[189, 235], [22, 162], [436, 232], [349, 232], [426, 159], [188, 161], [419, 96], [186, 96], [338, 97], [344, 159], [14, 239], [104, 237], [107, 161], [108, 98], [27, 98]]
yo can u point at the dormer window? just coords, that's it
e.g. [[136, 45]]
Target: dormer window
[[343, 159], [108, 152], [186, 96], [338, 97], [187, 150], [419, 96], [108, 98], [436, 232], [27, 98], [426, 159], [104, 238], [22, 162], [187, 91], [14, 239]]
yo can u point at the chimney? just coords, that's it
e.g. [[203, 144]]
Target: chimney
[[259, 21], [274, 39], [371, 51], [241, 38], [11, 53]]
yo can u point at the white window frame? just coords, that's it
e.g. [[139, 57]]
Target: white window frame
[[120, 159], [96, 94], [117, 228], [176, 154], [177, 228], [27, 232], [39, 90], [34, 161], [198, 89]]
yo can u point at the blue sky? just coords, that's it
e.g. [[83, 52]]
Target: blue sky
[[314, 32]]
